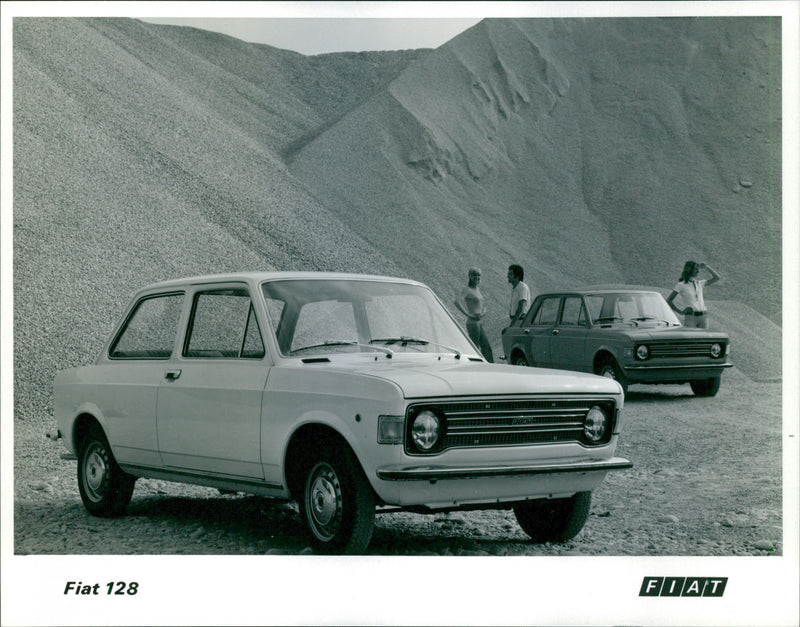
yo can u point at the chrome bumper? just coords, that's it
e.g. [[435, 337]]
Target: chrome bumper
[[681, 367], [436, 473]]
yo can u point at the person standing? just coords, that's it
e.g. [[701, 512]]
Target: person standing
[[470, 302], [690, 289], [520, 294]]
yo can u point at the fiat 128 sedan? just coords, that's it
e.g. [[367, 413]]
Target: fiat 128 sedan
[[628, 335], [345, 393]]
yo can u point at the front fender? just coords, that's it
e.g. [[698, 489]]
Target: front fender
[[347, 404]]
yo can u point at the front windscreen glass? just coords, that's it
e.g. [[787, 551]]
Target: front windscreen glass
[[630, 308], [322, 316]]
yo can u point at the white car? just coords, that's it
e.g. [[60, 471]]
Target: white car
[[343, 392]]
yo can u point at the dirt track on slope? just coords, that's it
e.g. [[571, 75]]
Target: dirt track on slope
[[706, 481]]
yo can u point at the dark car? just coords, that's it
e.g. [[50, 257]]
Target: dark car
[[630, 335]]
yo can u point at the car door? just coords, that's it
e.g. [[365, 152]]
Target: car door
[[127, 383], [568, 338], [538, 333], [209, 401]]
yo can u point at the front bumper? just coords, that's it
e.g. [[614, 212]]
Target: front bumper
[[673, 374], [437, 473], [484, 484]]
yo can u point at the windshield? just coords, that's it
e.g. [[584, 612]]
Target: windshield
[[323, 316], [630, 307]]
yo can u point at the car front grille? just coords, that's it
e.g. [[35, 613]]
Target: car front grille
[[681, 349], [513, 423]]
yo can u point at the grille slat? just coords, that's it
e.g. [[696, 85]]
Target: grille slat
[[538, 418], [519, 429], [500, 414]]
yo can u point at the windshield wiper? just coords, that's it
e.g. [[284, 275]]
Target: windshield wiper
[[404, 341], [647, 319], [610, 319], [329, 343]]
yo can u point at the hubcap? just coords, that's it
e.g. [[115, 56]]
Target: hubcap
[[324, 501], [608, 372], [95, 472]]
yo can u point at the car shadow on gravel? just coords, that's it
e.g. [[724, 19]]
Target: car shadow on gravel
[[246, 521], [401, 542], [666, 394], [259, 525]]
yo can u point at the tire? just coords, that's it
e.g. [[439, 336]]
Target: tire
[[554, 520], [105, 488], [337, 504], [609, 368], [519, 360], [706, 387]]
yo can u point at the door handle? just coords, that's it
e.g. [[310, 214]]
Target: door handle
[[555, 331], [171, 375]]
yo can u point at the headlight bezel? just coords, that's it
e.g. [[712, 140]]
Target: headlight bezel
[[642, 352], [719, 352]]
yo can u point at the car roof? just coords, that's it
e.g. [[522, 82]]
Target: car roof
[[584, 292], [258, 277]]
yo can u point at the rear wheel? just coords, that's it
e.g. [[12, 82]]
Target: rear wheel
[[105, 488], [608, 368], [337, 505], [554, 520], [706, 387]]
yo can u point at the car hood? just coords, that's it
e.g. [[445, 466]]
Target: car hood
[[422, 380], [660, 332]]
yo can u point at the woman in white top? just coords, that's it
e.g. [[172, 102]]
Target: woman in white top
[[470, 302], [690, 289]]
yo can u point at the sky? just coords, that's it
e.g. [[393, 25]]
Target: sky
[[310, 36]]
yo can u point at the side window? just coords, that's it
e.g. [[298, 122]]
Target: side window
[[253, 346], [572, 314], [149, 333], [224, 326], [276, 309], [548, 311]]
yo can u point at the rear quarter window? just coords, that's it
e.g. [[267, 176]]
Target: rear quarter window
[[548, 311], [150, 330]]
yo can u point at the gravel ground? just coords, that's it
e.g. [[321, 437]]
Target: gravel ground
[[706, 481]]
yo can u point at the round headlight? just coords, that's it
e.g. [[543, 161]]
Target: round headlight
[[642, 352], [596, 424], [716, 350], [425, 430]]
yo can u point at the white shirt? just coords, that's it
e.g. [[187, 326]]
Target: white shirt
[[520, 292], [691, 294]]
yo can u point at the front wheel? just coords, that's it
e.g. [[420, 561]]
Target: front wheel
[[519, 360], [554, 520], [609, 368], [706, 387], [105, 488], [338, 505]]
